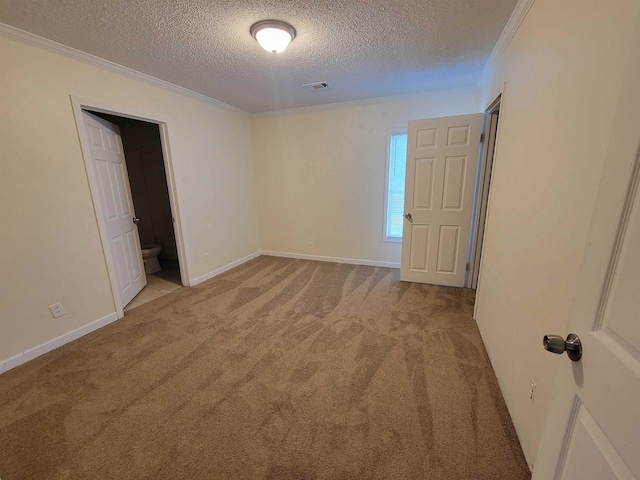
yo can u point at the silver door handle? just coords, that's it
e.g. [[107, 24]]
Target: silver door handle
[[407, 216], [556, 344], [135, 219]]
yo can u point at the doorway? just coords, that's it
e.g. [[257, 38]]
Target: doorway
[[442, 159], [449, 163], [150, 195], [143, 182], [483, 183]]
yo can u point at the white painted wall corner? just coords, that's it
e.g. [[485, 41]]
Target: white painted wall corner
[[218, 271]]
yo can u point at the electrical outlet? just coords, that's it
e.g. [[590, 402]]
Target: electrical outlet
[[532, 390], [310, 241], [57, 310], [206, 258]]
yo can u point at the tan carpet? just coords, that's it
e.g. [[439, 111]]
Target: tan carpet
[[278, 369]]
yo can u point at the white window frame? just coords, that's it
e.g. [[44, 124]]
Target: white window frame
[[390, 133]]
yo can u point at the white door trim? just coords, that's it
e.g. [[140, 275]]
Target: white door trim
[[500, 95], [78, 104], [483, 187]]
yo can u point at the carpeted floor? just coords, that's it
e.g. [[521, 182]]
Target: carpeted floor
[[278, 369]]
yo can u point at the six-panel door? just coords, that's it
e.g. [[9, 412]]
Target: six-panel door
[[442, 158], [117, 206]]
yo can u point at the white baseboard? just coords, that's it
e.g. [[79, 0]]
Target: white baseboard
[[352, 261], [220, 270], [34, 352]]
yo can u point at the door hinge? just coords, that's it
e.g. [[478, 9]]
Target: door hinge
[[468, 266], [481, 137]]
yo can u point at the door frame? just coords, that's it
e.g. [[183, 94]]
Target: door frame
[[490, 131], [78, 105]]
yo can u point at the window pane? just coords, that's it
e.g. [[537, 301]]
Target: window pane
[[395, 193]]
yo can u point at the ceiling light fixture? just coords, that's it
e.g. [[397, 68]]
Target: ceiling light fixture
[[273, 35]]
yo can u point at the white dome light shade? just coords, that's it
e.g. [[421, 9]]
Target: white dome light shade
[[272, 35], [273, 39]]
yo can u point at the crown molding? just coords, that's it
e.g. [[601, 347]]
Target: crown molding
[[510, 29], [365, 102], [44, 43]]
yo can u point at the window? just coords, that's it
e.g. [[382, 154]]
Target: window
[[394, 194]]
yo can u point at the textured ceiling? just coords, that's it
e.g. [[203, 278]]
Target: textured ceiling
[[363, 49]]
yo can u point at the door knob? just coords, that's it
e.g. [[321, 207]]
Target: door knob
[[572, 345], [407, 216], [135, 219]]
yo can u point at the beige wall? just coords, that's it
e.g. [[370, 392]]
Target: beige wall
[[563, 72], [50, 248], [321, 173]]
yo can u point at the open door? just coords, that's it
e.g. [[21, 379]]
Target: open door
[[592, 431], [442, 158], [111, 184]]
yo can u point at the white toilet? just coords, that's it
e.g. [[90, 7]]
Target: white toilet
[[150, 258]]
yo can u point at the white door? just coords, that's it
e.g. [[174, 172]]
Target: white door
[[442, 158], [592, 431], [110, 171]]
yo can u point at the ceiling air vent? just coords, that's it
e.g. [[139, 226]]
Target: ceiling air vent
[[312, 87]]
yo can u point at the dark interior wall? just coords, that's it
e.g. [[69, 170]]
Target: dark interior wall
[[145, 166]]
